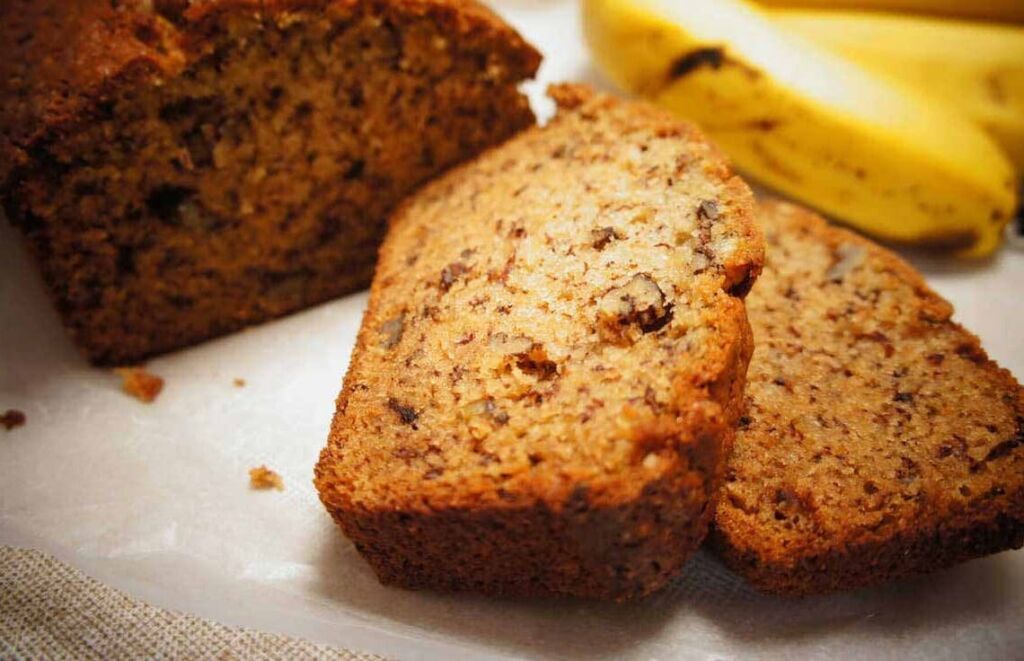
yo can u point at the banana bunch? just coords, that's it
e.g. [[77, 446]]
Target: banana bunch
[[861, 146]]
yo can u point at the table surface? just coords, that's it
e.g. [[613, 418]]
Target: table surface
[[154, 500]]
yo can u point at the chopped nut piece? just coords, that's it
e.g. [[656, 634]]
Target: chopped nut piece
[[478, 407], [140, 384], [709, 209], [510, 345], [849, 257], [486, 408], [602, 237], [262, 478], [451, 273], [636, 308], [12, 418], [535, 361], [501, 275], [392, 330], [406, 414]]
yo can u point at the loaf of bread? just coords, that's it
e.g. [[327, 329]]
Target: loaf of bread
[[547, 378], [879, 440], [183, 168]]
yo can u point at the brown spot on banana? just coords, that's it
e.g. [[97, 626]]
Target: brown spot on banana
[[996, 90], [690, 61], [766, 124], [712, 57]]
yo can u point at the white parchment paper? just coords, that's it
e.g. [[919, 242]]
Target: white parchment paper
[[154, 499]]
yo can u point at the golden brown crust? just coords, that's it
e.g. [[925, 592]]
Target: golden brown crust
[[184, 169], [879, 441], [62, 57], [551, 362]]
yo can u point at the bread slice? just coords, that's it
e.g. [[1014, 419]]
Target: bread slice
[[182, 169], [554, 351], [879, 441]]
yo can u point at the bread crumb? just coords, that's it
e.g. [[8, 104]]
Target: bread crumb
[[239, 383], [12, 418], [140, 384], [263, 478]]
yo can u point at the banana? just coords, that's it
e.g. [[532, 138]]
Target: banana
[[865, 149], [1010, 11], [977, 68]]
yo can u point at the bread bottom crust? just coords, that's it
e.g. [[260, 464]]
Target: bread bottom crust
[[878, 562], [596, 552]]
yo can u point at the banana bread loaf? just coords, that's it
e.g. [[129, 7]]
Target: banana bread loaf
[[545, 383], [184, 168], [879, 440]]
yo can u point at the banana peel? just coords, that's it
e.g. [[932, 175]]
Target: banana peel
[[873, 153], [976, 68], [1008, 11]]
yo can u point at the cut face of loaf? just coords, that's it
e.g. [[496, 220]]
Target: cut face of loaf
[[545, 382], [185, 169], [879, 440]]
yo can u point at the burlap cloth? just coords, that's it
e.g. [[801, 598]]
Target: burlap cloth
[[50, 610]]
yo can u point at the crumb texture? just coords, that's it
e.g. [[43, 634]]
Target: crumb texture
[[551, 362], [879, 440], [181, 170]]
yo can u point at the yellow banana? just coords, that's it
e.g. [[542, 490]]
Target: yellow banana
[[976, 68], [867, 150], [1011, 11]]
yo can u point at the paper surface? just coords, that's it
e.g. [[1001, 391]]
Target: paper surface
[[154, 499]]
